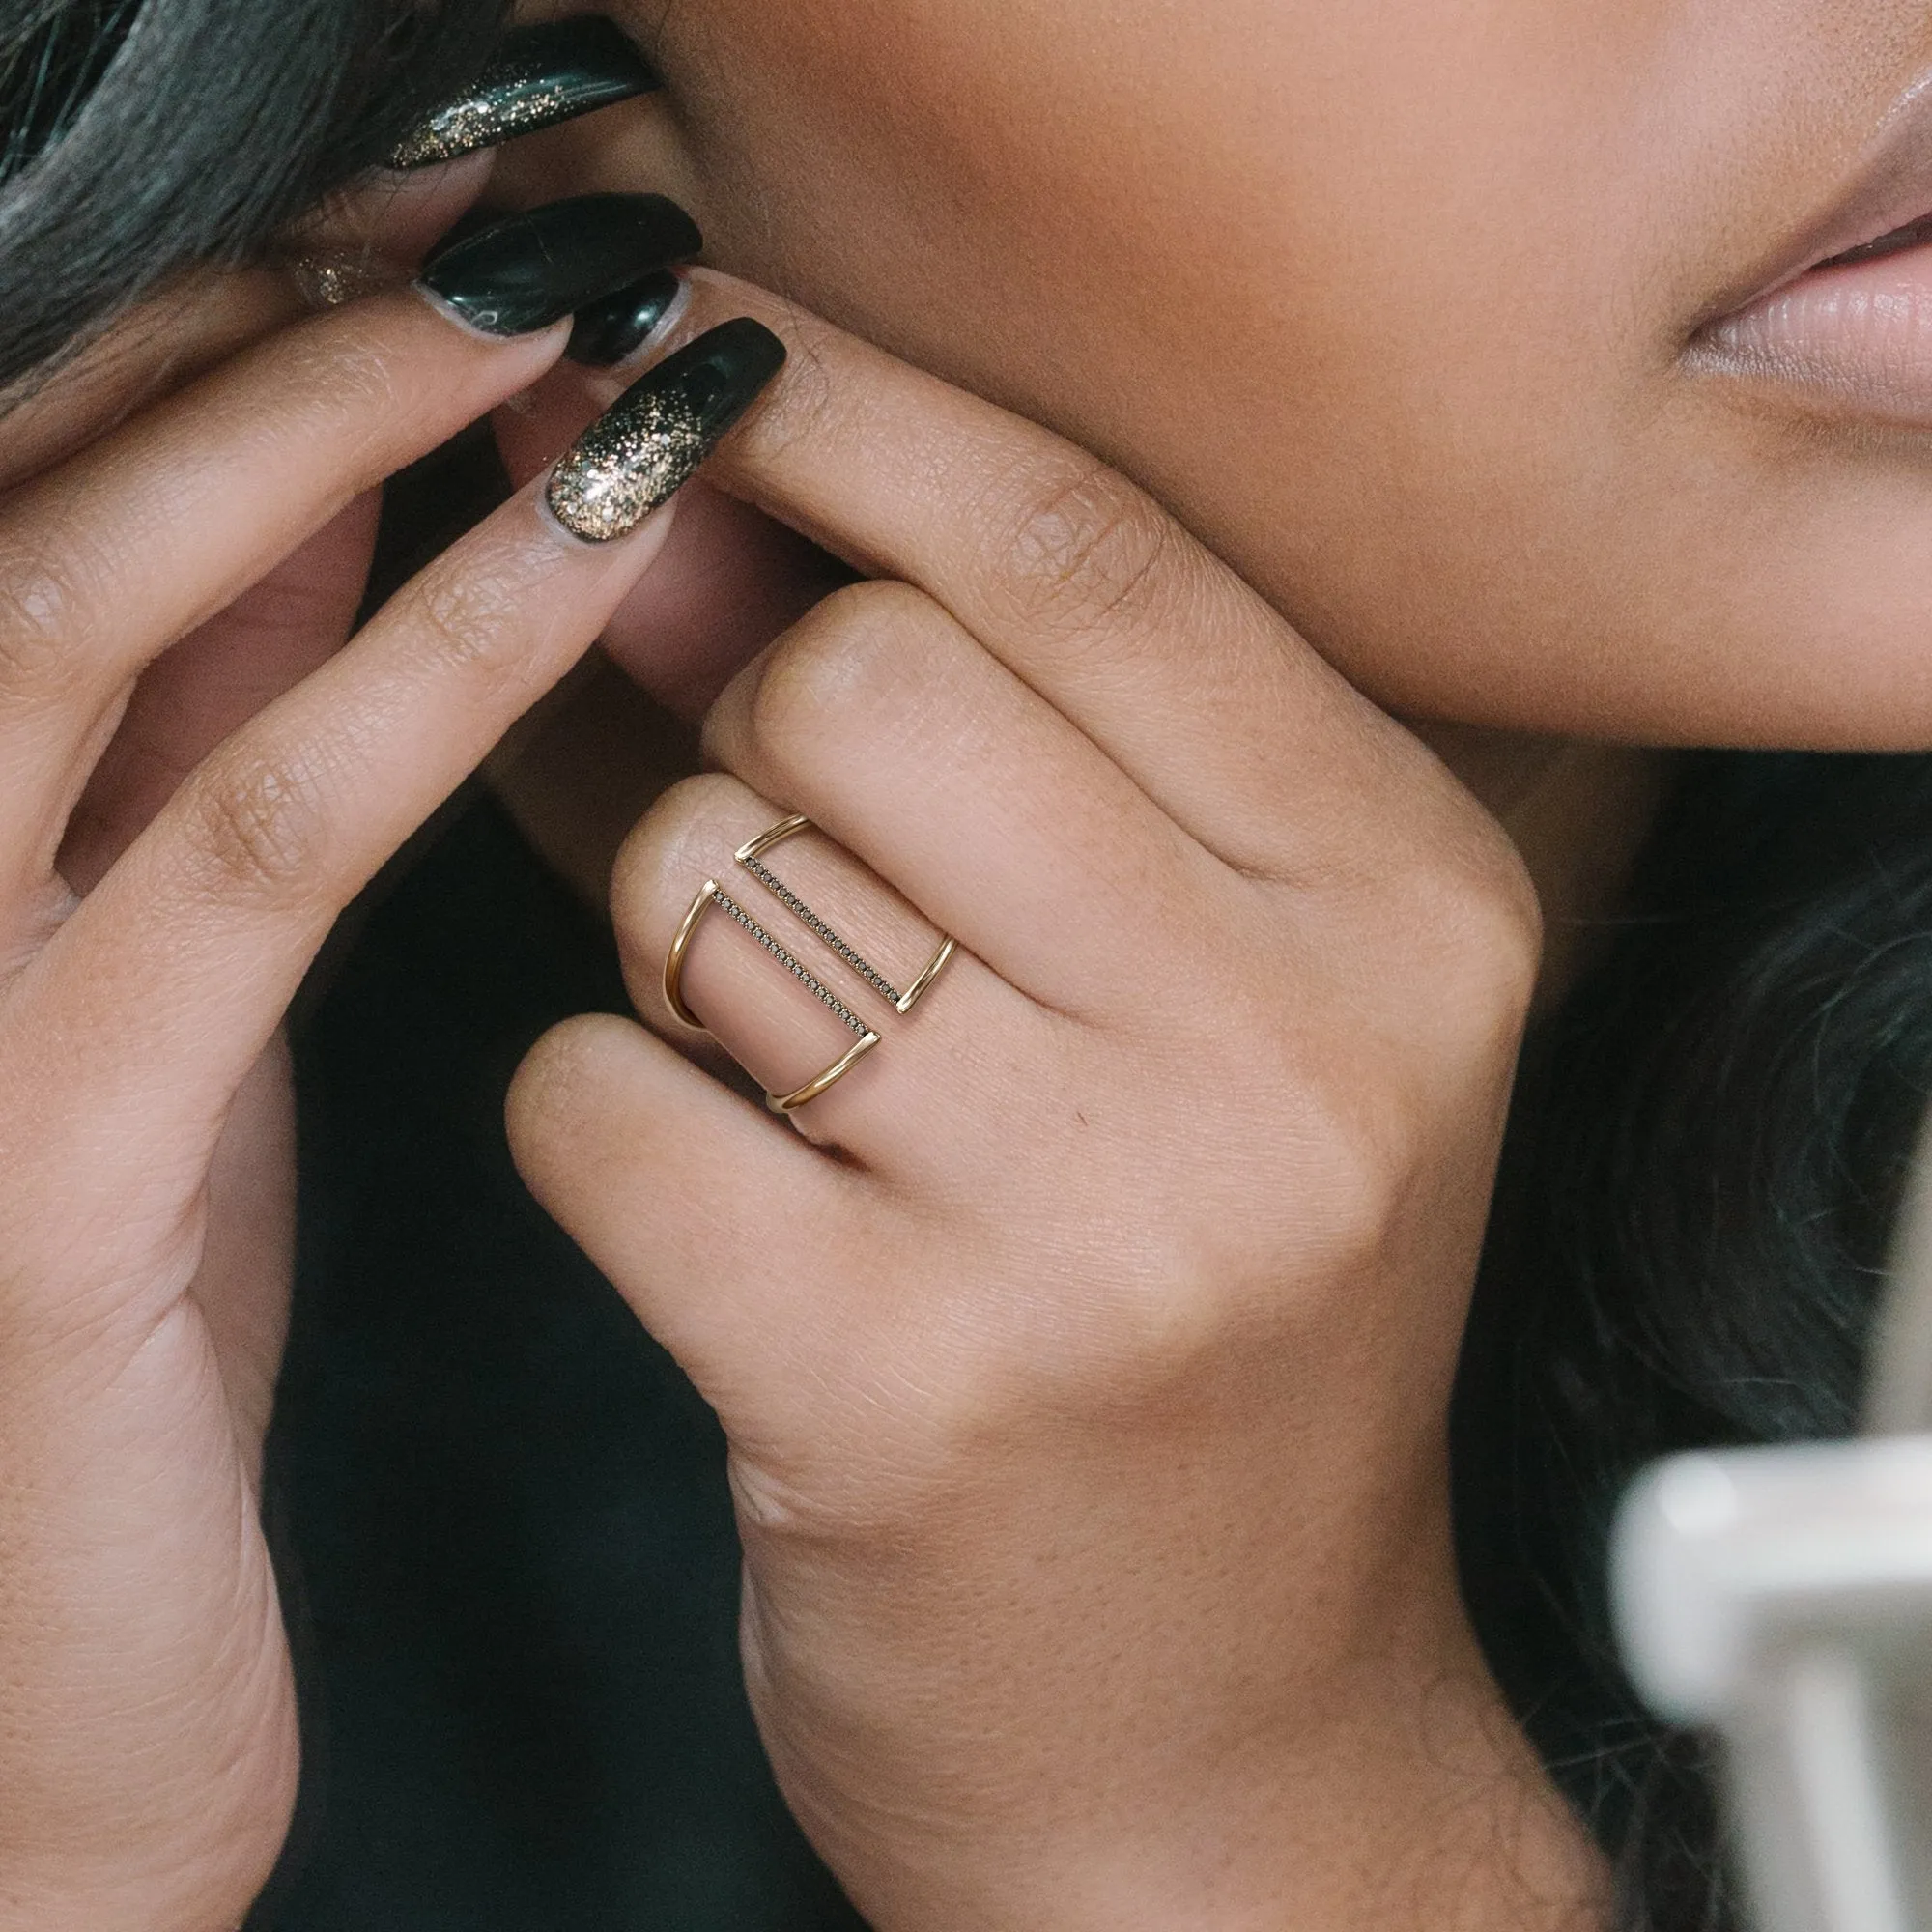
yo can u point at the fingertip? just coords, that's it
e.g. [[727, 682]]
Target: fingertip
[[557, 1092], [599, 1095], [652, 1166]]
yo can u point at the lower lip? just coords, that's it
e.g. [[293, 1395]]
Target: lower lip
[[1857, 334]]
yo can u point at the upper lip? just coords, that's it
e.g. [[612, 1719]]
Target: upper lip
[[1889, 189]]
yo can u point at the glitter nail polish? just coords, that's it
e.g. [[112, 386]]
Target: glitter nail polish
[[537, 77], [647, 443]]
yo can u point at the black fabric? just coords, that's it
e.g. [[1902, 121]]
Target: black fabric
[[502, 1509]]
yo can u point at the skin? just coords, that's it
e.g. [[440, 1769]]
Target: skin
[[1388, 304], [1089, 1446]]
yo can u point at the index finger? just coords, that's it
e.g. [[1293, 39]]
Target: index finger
[[1076, 579], [366, 236]]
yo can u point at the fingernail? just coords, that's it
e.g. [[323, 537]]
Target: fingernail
[[610, 331], [539, 76], [534, 269], [329, 280], [635, 455]]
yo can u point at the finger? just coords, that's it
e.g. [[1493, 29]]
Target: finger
[[107, 560], [1077, 580], [162, 990], [214, 681], [281, 628], [362, 239], [665, 1179], [730, 579], [783, 984], [884, 723], [173, 337]]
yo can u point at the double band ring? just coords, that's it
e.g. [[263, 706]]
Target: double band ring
[[751, 858]]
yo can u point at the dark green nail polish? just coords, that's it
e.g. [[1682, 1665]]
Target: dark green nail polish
[[647, 443], [539, 76], [532, 270], [620, 326]]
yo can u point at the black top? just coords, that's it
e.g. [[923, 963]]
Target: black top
[[506, 1535]]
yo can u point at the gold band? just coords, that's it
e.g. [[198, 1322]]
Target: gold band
[[679, 946], [751, 856], [711, 893], [932, 971], [785, 828], [791, 1103]]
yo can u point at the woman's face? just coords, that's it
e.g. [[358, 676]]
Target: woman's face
[[1403, 305]]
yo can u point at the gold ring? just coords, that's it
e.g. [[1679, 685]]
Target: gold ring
[[751, 856]]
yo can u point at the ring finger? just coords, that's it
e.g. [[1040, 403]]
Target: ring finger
[[797, 961]]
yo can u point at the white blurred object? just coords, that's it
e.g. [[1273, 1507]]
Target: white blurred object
[[1783, 1598]]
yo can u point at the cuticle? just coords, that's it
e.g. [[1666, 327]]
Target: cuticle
[[458, 319], [554, 524]]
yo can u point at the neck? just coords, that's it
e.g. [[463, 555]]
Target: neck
[[1578, 811]]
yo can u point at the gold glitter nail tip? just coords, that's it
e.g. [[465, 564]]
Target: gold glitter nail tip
[[636, 455], [332, 280], [538, 77]]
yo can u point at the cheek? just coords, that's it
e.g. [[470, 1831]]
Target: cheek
[[1185, 245], [1385, 301]]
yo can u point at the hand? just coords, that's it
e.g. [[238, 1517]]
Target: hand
[[189, 800], [1085, 1352]]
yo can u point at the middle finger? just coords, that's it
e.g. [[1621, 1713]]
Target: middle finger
[[107, 560], [883, 722], [1083, 585], [783, 996]]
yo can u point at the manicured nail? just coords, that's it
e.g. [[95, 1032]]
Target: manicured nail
[[330, 280], [539, 76], [635, 455], [532, 270], [609, 331]]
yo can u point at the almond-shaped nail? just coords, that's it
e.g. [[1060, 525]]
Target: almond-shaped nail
[[646, 444], [537, 77]]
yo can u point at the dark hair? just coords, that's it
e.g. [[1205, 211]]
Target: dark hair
[[139, 136], [1708, 1139], [1702, 1167]]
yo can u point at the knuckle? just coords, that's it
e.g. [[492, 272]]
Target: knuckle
[[1164, 1327], [1509, 918], [1081, 544], [678, 843], [852, 647], [1478, 909], [472, 619], [340, 378], [256, 829], [1353, 1190], [1311, 1098], [48, 600], [1354, 1149]]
